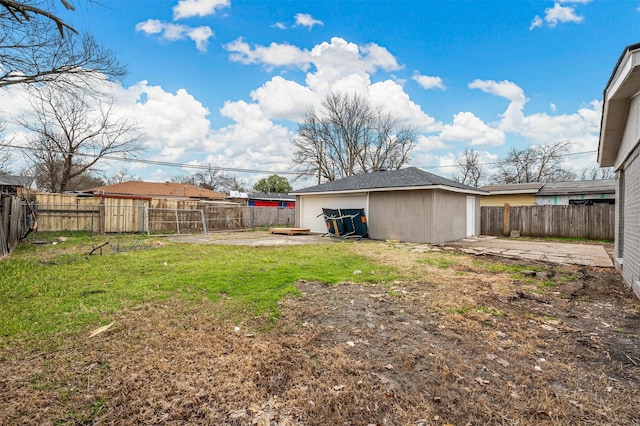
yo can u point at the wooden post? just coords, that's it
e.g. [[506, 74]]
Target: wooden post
[[506, 229]]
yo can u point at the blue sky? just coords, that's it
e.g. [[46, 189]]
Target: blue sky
[[225, 82]]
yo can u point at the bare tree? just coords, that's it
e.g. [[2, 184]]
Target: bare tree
[[188, 179], [5, 155], [469, 169], [72, 132], [542, 163], [595, 173], [121, 175], [211, 178], [234, 183], [22, 12], [48, 174], [37, 47], [349, 136]]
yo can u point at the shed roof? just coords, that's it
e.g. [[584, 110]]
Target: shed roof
[[602, 186], [158, 189], [402, 179], [513, 188], [271, 196], [7, 180]]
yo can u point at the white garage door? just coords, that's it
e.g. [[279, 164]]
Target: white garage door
[[311, 206]]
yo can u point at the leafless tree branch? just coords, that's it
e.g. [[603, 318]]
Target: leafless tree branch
[[349, 136]]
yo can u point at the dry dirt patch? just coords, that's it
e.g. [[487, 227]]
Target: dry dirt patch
[[454, 345]]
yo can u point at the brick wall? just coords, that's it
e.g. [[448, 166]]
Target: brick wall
[[631, 221]]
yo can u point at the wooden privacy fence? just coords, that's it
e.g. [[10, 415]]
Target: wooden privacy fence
[[57, 212], [593, 222], [13, 222]]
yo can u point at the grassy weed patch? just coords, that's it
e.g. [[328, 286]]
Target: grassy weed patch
[[43, 292]]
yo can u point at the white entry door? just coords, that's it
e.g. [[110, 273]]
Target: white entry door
[[471, 216]]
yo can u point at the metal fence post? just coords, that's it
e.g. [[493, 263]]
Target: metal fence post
[[146, 220], [177, 222], [204, 223]]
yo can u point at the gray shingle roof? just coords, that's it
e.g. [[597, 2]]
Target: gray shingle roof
[[514, 187], [6, 180], [579, 187], [403, 178]]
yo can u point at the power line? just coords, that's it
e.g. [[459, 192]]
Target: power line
[[498, 162], [163, 163], [242, 170]]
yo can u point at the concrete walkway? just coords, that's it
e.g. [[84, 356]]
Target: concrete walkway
[[564, 253]]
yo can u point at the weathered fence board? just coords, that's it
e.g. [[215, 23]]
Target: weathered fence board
[[593, 222], [57, 212], [12, 223]]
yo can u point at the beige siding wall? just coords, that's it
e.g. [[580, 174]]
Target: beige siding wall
[[450, 218], [401, 215], [511, 199], [418, 216]]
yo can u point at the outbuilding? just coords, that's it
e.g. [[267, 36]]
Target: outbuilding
[[409, 205]]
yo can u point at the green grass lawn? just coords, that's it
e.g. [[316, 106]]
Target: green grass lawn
[[48, 289]]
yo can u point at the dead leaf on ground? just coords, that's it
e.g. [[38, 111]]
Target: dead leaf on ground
[[481, 381], [101, 329]]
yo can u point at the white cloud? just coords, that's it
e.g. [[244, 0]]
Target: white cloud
[[150, 26], [504, 88], [558, 15], [581, 128], [285, 99], [274, 55], [467, 127], [561, 14], [428, 82], [191, 8], [201, 36], [392, 97], [253, 141], [173, 32], [425, 143], [306, 20], [340, 66], [553, 107], [279, 25], [537, 22]]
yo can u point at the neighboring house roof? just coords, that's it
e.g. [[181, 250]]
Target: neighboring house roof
[[623, 84], [271, 196], [238, 194], [6, 180], [155, 189], [403, 179], [555, 188], [579, 187], [513, 188]]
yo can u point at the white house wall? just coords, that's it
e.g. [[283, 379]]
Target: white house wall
[[308, 207], [631, 133], [563, 200]]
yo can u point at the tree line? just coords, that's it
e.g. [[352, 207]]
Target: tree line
[[540, 163]]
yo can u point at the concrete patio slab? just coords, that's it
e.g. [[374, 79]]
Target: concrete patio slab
[[564, 253]]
